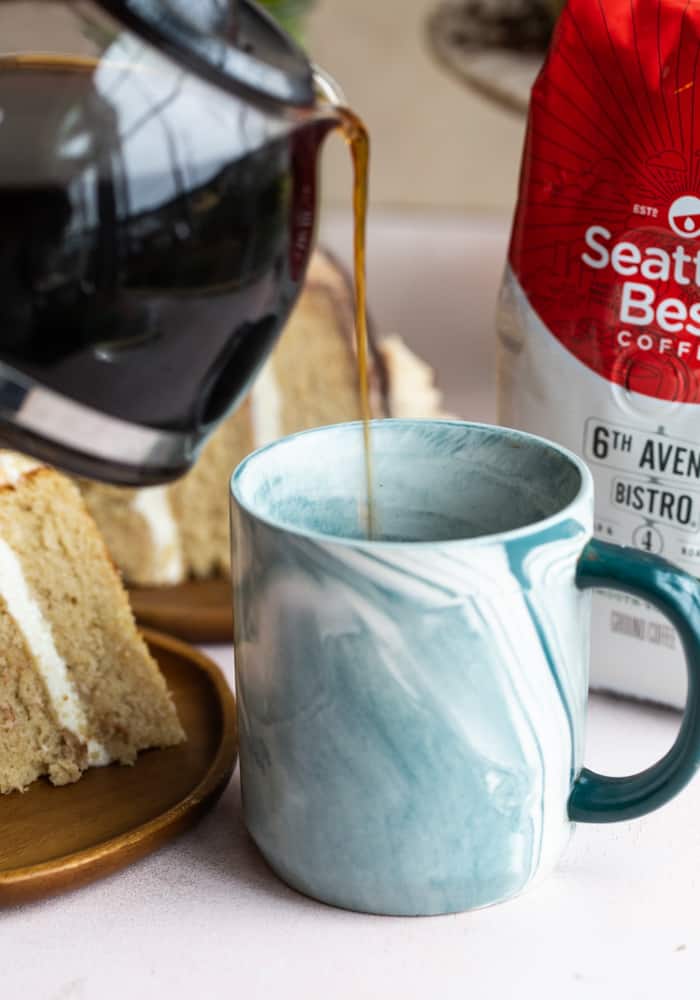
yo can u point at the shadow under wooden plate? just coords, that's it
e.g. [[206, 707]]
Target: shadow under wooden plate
[[53, 839], [198, 610]]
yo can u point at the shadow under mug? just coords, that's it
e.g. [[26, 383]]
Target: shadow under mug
[[412, 707]]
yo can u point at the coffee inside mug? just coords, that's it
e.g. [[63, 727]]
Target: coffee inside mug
[[433, 481]]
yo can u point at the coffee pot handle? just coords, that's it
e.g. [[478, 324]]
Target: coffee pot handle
[[599, 799]]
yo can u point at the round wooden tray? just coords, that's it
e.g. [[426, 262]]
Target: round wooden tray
[[54, 839], [503, 74], [199, 610]]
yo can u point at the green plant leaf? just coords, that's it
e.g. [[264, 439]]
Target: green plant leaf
[[291, 14]]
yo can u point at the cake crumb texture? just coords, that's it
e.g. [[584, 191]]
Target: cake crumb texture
[[122, 694]]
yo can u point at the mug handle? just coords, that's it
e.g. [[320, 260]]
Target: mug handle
[[597, 798]]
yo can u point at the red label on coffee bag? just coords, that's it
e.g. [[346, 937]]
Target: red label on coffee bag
[[606, 238]]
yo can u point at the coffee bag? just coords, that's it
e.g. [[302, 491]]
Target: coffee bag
[[599, 319]]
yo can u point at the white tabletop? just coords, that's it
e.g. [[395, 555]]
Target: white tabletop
[[204, 917]]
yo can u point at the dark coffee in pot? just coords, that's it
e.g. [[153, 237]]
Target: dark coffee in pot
[[154, 232]]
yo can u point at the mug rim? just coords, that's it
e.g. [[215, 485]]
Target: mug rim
[[498, 537]]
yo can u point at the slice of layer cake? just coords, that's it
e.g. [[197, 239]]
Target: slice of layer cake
[[164, 535], [78, 687]]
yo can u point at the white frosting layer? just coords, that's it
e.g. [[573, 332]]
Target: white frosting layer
[[36, 631], [153, 504], [266, 406], [14, 466]]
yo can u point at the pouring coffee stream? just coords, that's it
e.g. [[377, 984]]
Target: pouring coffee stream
[[357, 138]]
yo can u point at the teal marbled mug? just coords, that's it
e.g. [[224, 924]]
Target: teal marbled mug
[[412, 707]]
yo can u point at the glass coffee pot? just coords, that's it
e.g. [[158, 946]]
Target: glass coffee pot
[[157, 208]]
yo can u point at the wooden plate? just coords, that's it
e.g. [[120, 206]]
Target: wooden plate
[[52, 839], [199, 610]]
